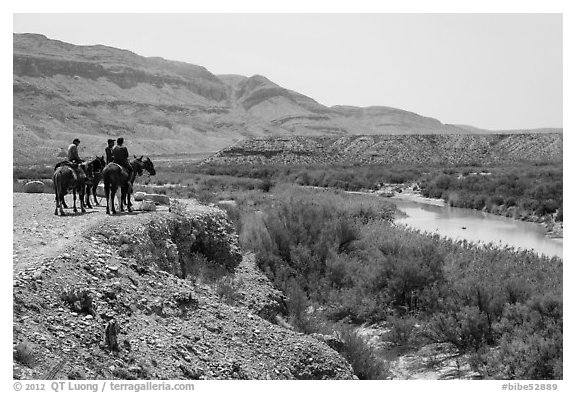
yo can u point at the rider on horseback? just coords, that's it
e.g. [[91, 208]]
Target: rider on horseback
[[108, 151], [120, 156], [73, 152], [74, 160]]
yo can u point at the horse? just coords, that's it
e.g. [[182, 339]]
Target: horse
[[114, 176], [92, 169], [64, 180], [92, 182]]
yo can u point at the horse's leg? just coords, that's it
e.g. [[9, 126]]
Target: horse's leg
[[59, 194], [56, 198], [74, 193], [107, 194], [87, 196], [114, 189], [94, 187], [81, 192], [63, 201], [128, 202], [122, 197]]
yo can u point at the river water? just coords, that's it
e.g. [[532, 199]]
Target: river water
[[473, 225]]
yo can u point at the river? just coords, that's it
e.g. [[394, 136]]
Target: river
[[477, 226]]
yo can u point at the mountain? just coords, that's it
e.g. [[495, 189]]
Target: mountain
[[162, 107]]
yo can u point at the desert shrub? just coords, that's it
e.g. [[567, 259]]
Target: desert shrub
[[406, 272], [531, 343], [364, 361], [197, 268], [401, 330], [234, 215], [560, 215], [297, 304], [534, 188], [254, 235], [33, 172], [339, 272], [79, 300], [227, 289], [266, 185], [547, 207], [466, 329]]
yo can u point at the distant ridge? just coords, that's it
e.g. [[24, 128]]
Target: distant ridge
[[162, 107], [394, 149]]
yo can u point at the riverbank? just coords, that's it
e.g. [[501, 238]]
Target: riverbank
[[411, 193]]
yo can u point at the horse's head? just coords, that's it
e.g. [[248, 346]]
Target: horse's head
[[99, 164], [88, 168], [146, 164], [149, 166], [96, 165]]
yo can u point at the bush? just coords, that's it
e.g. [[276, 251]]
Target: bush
[[234, 214], [365, 363], [466, 329], [297, 303], [531, 343], [560, 215], [227, 290], [401, 329], [266, 185]]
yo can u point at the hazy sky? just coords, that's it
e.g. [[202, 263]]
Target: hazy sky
[[495, 71]]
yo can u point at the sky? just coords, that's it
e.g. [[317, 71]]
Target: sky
[[493, 71]]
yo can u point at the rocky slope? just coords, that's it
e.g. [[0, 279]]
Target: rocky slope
[[394, 149], [62, 91], [128, 297]]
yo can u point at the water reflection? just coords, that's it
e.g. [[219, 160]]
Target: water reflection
[[473, 225]]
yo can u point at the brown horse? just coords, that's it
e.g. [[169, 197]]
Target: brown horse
[[97, 165], [115, 176], [64, 181]]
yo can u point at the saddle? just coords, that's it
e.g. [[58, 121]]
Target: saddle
[[72, 165], [122, 168]]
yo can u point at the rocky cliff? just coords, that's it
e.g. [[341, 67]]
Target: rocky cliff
[[394, 149]]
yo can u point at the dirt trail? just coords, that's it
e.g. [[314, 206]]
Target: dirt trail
[[39, 234]]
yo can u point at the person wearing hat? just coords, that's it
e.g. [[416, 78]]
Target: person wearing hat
[[120, 155], [74, 160], [108, 151], [73, 152]]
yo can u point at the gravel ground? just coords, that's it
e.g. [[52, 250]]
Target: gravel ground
[[86, 307]]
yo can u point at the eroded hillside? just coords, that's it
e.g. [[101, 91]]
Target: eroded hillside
[[394, 149]]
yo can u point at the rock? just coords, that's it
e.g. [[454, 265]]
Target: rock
[[148, 206], [162, 199], [34, 187], [139, 196], [111, 336], [77, 374], [331, 340]]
